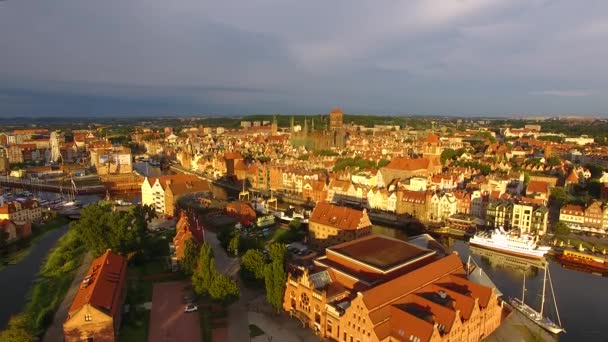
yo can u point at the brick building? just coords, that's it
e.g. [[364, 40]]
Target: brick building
[[382, 289], [330, 224], [96, 312]]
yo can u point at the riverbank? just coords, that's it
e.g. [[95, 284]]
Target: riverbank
[[20, 249], [52, 283]]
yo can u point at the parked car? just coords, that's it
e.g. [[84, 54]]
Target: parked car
[[191, 308]]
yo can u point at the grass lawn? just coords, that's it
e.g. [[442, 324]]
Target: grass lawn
[[135, 329], [254, 331], [276, 235]]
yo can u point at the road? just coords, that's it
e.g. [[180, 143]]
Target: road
[[55, 332], [238, 323]]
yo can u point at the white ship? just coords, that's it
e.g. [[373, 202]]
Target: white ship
[[523, 245]]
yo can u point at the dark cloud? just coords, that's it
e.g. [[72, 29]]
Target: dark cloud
[[234, 57]]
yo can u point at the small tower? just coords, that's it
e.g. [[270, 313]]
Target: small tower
[[274, 127]]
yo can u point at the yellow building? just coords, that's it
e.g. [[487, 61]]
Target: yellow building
[[96, 311]]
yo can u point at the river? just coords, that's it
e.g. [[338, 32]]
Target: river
[[581, 297], [16, 280]]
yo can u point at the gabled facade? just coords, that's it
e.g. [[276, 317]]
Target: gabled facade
[[380, 289], [96, 312]]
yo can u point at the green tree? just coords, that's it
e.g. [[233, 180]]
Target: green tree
[[561, 229], [188, 263], [383, 162], [275, 278], [559, 195], [447, 154], [233, 245], [19, 330], [223, 289], [277, 252], [205, 270], [101, 228], [553, 161], [254, 262]]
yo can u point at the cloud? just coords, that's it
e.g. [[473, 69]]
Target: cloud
[[418, 56], [564, 93]]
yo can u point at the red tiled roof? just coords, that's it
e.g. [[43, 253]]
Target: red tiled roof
[[337, 216], [391, 290], [410, 164], [102, 285], [538, 186], [432, 138]]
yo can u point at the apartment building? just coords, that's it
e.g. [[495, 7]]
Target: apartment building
[[330, 224]]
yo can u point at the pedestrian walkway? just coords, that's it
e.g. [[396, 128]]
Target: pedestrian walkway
[[55, 332]]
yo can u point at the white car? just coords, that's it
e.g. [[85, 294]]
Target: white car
[[190, 308]]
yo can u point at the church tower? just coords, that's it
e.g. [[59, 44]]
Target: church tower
[[430, 146], [336, 119], [275, 126]]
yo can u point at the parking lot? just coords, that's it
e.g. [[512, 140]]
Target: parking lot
[[168, 321]]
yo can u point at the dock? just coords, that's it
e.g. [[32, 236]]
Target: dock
[[515, 327]]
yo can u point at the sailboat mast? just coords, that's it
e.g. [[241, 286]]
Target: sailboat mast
[[523, 290], [554, 301], [542, 302]]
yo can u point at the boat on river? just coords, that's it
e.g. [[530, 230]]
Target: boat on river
[[517, 244], [586, 259], [538, 317]]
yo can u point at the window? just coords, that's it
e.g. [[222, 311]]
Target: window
[[89, 339], [329, 327], [87, 317]]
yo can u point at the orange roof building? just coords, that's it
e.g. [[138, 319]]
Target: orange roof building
[[378, 288], [96, 311], [330, 224]]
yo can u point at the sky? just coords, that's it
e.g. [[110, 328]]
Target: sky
[[198, 57]]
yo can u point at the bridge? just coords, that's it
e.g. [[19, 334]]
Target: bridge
[[33, 186]]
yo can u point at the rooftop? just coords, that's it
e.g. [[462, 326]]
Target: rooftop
[[381, 252]]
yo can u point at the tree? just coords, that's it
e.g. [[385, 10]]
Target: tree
[[205, 270], [188, 263], [275, 278], [254, 262], [223, 289], [447, 154], [233, 245], [101, 228], [559, 195], [561, 229], [277, 252], [383, 162], [19, 330], [553, 161]]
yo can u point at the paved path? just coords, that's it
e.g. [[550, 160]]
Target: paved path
[[238, 325], [55, 332], [280, 328]]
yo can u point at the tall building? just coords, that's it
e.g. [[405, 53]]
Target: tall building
[[381, 289], [56, 139], [5, 167], [336, 119]]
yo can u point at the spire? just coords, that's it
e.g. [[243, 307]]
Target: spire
[[305, 126], [291, 123]]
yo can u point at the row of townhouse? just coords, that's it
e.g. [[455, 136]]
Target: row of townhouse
[[520, 215], [21, 211], [592, 217]]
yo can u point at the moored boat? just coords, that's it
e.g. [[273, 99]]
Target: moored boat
[[521, 245], [590, 260]]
